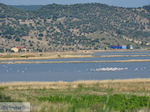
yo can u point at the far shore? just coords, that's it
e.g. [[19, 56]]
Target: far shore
[[62, 55], [44, 55]]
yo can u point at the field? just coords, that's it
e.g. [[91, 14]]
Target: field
[[81, 96]]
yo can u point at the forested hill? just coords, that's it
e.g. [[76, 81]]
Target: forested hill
[[73, 27]]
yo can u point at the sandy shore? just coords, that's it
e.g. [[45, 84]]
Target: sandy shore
[[45, 55], [46, 62]]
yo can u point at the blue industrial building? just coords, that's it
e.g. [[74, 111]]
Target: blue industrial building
[[121, 47], [118, 47]]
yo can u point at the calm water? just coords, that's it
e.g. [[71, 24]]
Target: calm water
[[75, 71], [72, 72]]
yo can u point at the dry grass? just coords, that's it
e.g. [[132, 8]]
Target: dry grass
[[33, 91], [45, 55], [117, 85]]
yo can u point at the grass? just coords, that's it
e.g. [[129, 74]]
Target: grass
[[4, 98], [82, 96], [116, 102]]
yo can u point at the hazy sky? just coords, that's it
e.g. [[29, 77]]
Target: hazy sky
[[124, 3]]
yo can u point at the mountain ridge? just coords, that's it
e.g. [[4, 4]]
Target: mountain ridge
[[27, 7]]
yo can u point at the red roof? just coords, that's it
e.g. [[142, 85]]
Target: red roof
[[20, 47]]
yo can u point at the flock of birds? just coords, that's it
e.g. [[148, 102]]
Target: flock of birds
[[110, 69], [116, 69], [7, 69]]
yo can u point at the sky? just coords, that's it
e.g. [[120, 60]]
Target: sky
[[122, 3]]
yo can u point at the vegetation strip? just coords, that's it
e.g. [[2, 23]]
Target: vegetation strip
[[67, 57], [124, 83], [46, 62]]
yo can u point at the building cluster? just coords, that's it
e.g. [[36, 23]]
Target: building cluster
[[18, 49]]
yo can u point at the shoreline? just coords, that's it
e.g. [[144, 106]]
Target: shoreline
[[47, 62], [132, 80], [61, 55], [70, 57]]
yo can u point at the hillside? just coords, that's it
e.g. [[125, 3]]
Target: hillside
[[72, 27]]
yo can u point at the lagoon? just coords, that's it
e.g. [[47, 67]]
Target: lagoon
[[72, 71]]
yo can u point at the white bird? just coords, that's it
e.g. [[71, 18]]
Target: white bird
[[136, 69]]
